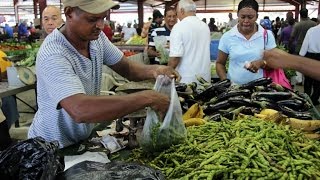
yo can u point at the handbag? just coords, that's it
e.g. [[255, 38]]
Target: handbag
[[277, 75]]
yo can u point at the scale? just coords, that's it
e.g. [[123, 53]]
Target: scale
[[18, 75]]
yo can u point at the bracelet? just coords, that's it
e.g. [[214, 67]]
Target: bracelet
[[264, 64]]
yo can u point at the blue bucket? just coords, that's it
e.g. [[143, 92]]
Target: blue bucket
[[214, 49]]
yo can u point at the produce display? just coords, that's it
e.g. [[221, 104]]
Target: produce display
[[137, 40], [245, 148], [16, 48], [257, 130], [220, 99]]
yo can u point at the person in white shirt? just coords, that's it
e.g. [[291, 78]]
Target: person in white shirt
[[190, 44], [128, 32], [311, 48], [232, 22]]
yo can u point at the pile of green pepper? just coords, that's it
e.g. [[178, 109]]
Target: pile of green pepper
[[247, 148]]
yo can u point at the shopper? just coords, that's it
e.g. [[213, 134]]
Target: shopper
[[170, 19], [108, 30], [8, 31], [23, 30], [311, 48], [300, 30], [212, 26], [285, 36], [69, 70], [51, 19], [244, 44], [190, 44], [128, 32], [232, 22]]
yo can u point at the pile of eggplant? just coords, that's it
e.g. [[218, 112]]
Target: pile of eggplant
[[221, 99]]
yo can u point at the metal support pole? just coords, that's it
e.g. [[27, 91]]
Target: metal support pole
[[140, 12], [296, 13], [42, 6], [16, 13], [35, 8]]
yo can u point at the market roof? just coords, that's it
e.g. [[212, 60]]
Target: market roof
[[26, 6]]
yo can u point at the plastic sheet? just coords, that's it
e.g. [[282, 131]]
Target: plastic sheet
[[89, 170], [31, 159]]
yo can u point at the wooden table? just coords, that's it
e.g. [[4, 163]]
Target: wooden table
[[6, 90]]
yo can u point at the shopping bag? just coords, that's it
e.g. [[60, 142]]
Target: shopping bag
[[278, 76], [161, 44], [158, 135]]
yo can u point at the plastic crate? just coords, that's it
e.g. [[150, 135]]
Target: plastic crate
[[214, 49]]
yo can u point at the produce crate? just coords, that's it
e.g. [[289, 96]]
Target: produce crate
[[214, 49]]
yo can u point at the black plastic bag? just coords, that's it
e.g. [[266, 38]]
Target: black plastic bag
[[31, 159], [89, 170]]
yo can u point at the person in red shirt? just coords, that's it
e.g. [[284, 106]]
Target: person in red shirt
[[107, 30]]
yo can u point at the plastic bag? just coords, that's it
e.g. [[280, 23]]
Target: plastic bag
[[89, 170], [160, 44], [278, 76], [157, 135], [31, 159]]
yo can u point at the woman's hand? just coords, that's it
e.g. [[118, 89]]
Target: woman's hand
[[254, 66], [166, 70]]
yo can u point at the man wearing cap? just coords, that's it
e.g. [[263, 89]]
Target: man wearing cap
[[69, 70]]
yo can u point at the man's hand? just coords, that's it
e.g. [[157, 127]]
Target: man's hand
[[159, 102], [166, 70], [276, 58]]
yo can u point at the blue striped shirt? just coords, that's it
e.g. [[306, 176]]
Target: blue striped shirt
[[161, 31], [62, 72]]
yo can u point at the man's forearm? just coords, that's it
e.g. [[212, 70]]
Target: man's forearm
[[93, 109], [173, 62], [306, 66]]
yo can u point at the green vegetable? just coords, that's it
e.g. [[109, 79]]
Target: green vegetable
[[246, 148]]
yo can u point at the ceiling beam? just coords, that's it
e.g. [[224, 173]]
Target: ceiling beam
[[292, 2], [226, 11]]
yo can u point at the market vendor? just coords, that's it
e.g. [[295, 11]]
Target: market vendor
[[190, 44], [244, 44], [69, 70]]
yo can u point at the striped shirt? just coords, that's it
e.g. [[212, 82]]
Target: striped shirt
[[62, 72], [161, 31]]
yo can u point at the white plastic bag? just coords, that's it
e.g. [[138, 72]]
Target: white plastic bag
[[161, 44], [159, 135]]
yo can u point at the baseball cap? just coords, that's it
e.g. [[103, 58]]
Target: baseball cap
[[92, 6], [266, 24], [157, 14]]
